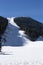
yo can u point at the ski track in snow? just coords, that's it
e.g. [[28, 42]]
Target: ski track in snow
[[29, 54]]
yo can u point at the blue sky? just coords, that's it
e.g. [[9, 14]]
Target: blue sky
[[14, 8]]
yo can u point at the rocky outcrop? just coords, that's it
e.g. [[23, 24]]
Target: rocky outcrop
[[32, 28], [3, 24]]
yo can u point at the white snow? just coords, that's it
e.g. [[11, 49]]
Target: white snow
[[18, 50]]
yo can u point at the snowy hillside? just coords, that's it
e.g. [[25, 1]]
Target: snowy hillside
[[18, 50]]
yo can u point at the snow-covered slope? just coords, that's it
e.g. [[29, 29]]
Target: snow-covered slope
[[18, 50], [14, 36]]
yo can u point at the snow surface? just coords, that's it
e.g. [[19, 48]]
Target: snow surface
[[18, 50]]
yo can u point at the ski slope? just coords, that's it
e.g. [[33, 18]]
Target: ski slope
[[18, 50]]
